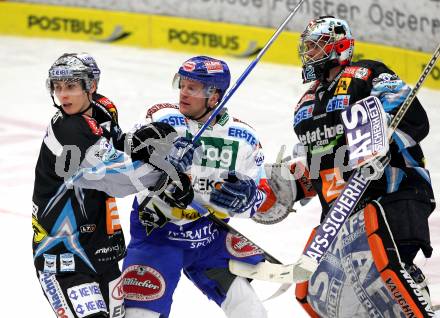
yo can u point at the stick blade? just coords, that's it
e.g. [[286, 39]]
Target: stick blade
[[276, 273]]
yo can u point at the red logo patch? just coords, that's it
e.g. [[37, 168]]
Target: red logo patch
[[189, 66], [213, 66], [356, 72], [305, 98], [94, 127], [240, 247], [142, 283]]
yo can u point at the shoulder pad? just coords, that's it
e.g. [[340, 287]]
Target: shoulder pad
[[375, 67], [93, 125], [359, 72], [107, 104], [236, 120], [157, 107]]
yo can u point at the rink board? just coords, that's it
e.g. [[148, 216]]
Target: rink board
[[188, 35]]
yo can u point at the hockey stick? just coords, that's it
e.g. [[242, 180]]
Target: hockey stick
[[244, 240], [348, 200], [246, 72]]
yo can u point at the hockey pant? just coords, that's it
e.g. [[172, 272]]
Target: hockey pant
[[152, 272], [82, 295], [241, 301], [361, 275]]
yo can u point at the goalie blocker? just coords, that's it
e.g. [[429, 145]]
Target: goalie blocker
[[363, 261]]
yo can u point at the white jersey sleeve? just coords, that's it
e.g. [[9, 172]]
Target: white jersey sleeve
[[116, 173]]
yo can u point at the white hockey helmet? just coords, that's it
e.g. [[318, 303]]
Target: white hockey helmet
[[325, 43]]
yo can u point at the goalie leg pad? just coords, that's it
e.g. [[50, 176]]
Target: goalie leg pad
[[347, 282], [398, 281], [301, 289]]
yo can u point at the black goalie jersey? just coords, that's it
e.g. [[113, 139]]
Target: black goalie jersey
[[319, 128]]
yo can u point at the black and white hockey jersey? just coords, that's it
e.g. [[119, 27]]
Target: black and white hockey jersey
[[78, 174]]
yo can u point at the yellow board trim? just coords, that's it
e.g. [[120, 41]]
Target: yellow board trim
[[190, 35]]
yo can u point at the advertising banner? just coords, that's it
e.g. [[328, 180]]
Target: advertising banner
[[404, 23], [189, 35]]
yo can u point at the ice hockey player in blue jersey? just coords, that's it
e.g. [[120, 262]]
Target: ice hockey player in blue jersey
[[369, 269], [227, 177], [78, 239]]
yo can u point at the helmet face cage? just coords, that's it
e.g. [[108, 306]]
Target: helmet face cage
[[70, 68], [212, 73], [326, 39]]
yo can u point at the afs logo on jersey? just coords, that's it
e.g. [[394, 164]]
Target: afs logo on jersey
[[303, 113], [339, 102], [218, 153], [243, 134]]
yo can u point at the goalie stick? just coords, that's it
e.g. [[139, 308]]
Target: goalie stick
[[357, 184]]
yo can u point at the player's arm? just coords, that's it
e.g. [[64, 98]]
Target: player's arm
[[117, 173], [392, 91]]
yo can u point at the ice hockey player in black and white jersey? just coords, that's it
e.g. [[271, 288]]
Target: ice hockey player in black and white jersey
[[369, 269], [78, 239]]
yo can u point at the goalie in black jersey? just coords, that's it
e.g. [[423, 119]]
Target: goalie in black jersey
[[78, 239], [369, 269]]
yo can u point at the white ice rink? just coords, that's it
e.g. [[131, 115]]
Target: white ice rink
[[135, 79]]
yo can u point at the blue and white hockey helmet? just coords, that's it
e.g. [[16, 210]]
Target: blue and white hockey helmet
[[212, 73], [69, 67]]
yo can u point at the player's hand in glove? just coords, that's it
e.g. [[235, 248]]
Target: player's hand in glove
[[182, 153], [178, 194], [237, 194]]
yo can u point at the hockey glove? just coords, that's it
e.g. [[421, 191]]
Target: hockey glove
[[155, 137], [181, 154], [237, 194], [178, 194]]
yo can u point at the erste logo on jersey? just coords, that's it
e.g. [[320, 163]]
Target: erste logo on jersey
[[173, 120], [305, 112], [243, 134], [339, 102]]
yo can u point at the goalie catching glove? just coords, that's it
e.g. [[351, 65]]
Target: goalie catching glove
[[289, 182]]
